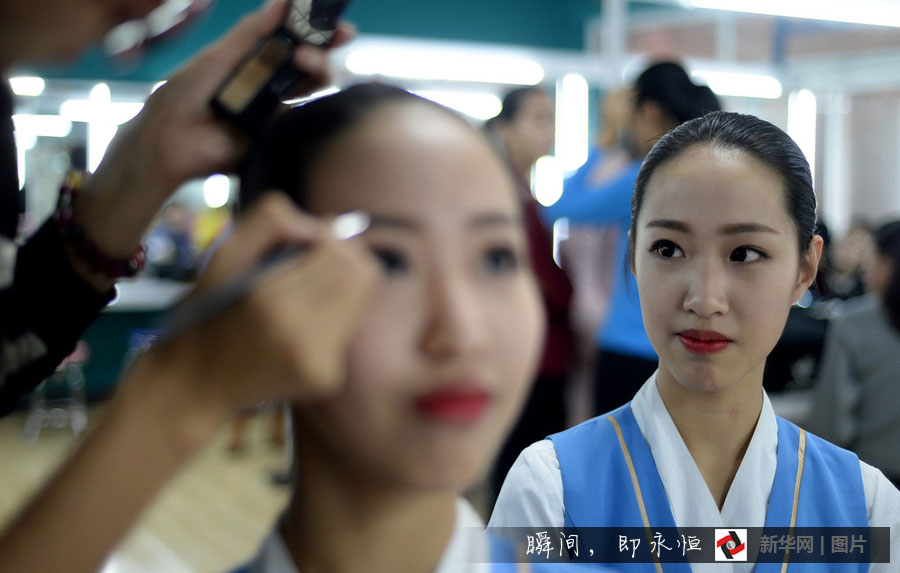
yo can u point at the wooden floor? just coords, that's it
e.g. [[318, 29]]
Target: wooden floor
[[210, 518]]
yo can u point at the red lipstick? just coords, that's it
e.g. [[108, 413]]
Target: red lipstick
[[703, 341], [453, 405]]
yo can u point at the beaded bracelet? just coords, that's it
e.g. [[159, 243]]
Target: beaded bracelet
[[86, 250]]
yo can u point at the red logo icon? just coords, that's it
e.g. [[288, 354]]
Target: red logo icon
[[729, 545]]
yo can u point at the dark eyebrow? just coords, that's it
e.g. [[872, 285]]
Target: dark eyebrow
[[408, 224], [400, 223], [733, 229], [669, 224], [492, 219], [739, 228]]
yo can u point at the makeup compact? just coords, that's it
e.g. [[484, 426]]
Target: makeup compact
[[267, 75]]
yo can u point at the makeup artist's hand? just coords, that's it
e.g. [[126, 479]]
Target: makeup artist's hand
[[176, 137], [287, 339]]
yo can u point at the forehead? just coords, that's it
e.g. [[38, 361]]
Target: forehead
[[711, 186], [411, 158]]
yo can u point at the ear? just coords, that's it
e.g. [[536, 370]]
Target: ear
[[809, 266]]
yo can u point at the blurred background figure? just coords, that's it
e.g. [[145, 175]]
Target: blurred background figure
[[523, 132], [663, 97], [209, 226], [858, 387], [846, 259], [796, 360], [170, 249], [588, 254]]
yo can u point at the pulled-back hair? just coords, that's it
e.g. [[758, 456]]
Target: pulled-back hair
[[287, 150], [669, 85], [746, 133]]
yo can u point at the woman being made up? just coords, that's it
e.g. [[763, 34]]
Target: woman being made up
[[439, 365], [721, 246]]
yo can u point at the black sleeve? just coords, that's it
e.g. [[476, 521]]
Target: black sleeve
[[45, 311]]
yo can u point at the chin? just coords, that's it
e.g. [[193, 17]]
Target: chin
[[435, 479], [702, 378], [451, 470]]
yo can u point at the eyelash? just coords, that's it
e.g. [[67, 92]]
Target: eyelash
[[393, 262], [501, 259], [658, 245], [762, 254], [495, 260], [665, 243]]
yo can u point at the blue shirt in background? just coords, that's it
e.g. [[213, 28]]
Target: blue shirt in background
[[609, 205]]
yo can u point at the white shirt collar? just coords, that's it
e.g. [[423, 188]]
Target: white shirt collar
[[747, 499], [468, 549]]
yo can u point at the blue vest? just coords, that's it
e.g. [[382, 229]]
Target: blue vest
[[598, 491]]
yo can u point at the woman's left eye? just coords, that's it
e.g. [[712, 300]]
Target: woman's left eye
[[747, 255], [500, 260]]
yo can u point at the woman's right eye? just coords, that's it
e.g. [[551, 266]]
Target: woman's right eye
[[666, 249], [393, 262]]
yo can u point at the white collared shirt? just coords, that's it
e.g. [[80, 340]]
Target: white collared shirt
[[468, 549], [532, 494]]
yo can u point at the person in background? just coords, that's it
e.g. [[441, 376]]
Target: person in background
[[664, 97], [588, 254], [858, 387], [170, 252], [176, 397], [523, 132], [846, 260]]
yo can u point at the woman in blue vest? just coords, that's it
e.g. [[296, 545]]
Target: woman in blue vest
[[440, 363], [722, 244]]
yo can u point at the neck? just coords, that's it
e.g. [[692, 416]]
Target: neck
[[716, 426], [522, 169], [338, 522]]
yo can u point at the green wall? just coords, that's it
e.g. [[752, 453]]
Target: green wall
[[542, 23]]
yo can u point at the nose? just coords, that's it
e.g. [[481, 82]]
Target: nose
[[707, 293], [456, 323]]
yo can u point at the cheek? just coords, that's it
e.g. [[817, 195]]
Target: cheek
[[764, 305], [517, 324], [649, 276], [384, 344]]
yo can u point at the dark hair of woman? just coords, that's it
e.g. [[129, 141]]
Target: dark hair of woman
[[669, 85], [887, 242], [286, 153], [746, 133], [512, 104]]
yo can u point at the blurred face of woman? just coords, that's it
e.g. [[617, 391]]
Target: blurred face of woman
[[717, 266], [529, 135], [439, 368], [877, 271], [647, 122]]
